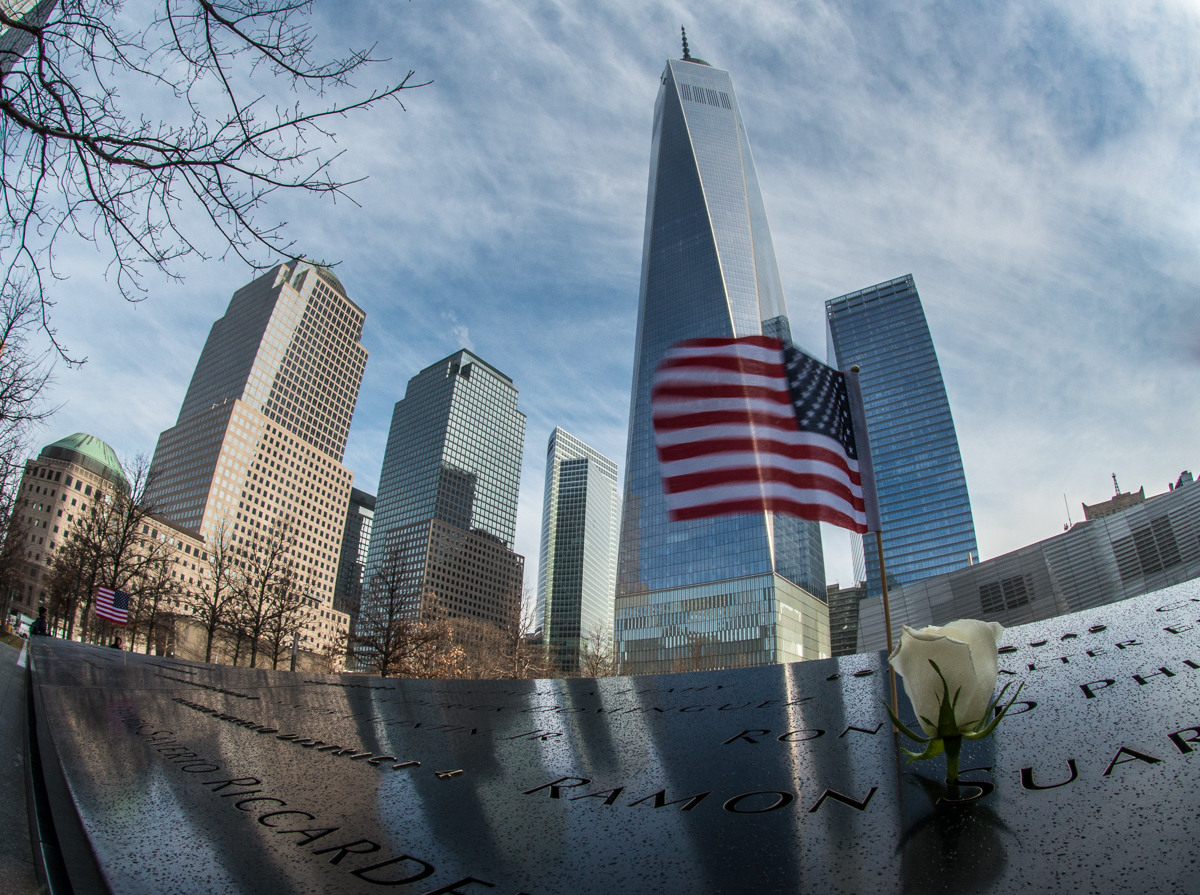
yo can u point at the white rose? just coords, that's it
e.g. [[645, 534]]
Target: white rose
[[965, 651]]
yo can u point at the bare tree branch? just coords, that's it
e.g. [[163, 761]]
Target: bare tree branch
[[76, 160], [597, 657]]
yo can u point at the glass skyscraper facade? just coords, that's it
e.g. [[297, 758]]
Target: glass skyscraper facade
[[356, 538], [577, 572], [447, 497], [923, 501], [738, 590]]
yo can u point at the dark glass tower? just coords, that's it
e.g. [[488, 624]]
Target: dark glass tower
[[923, 502], [447, 499], [740, 590], [356, 538]]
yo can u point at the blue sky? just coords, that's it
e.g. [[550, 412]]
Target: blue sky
[[1034, 166]]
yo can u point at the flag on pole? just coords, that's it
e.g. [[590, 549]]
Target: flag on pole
[[748, 425], [112, 605]]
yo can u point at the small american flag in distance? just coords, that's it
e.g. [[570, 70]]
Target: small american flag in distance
[[751, 425], [112, 605]]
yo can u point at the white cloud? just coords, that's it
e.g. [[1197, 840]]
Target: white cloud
[[461, 334]]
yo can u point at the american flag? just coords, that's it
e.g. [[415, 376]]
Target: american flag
[[749, 425], [112, 605]]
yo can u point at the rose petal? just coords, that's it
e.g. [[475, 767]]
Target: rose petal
[[983, 639], [921, 682], [965, 652]]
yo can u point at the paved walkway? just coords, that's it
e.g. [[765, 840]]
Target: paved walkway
[[17, 876]]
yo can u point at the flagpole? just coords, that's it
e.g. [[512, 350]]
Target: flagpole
[[887, 615], [866, 468]]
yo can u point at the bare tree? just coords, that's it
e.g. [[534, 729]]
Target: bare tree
[[14, 564], [482, 644], [401, 631], [331, 657], [513, 651], [130, 557], [523, 653], [80, 156], [24, 375], [151, 593], [596, 655], [265, 568], [211, 602], [78, 566], [73, 569], [110, 545], [283, 617], [389, 607]]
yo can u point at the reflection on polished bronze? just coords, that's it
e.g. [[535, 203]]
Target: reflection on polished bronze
[[170, 776]]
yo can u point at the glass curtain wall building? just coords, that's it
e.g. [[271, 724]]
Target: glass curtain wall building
[[738, 590], [577, 574], [356, 538], [447, 502], [923, 503]]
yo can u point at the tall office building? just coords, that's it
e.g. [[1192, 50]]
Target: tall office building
[[352, 559], [843, 617], [923, 502], [577, 572], [739, 590], [446, 512], [261, 435]]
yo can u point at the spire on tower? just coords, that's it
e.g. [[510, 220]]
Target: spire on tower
[[687, 57]]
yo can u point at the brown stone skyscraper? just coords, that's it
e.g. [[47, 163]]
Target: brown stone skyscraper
[[262, 431]]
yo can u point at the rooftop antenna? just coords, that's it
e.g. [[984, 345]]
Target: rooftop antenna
[[687, 57], [1068, 506], [1116, 487]]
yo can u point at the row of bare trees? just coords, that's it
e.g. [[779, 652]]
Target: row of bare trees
[[404, 630], [244, 596], [250, 605], [245, 605], [106, 547]]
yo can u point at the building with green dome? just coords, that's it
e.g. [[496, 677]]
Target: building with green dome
[[57, 488], [88, 452]]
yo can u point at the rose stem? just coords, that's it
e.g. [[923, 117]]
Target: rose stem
[[952, 746]]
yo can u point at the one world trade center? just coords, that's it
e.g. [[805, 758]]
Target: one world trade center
[[736, 590]]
